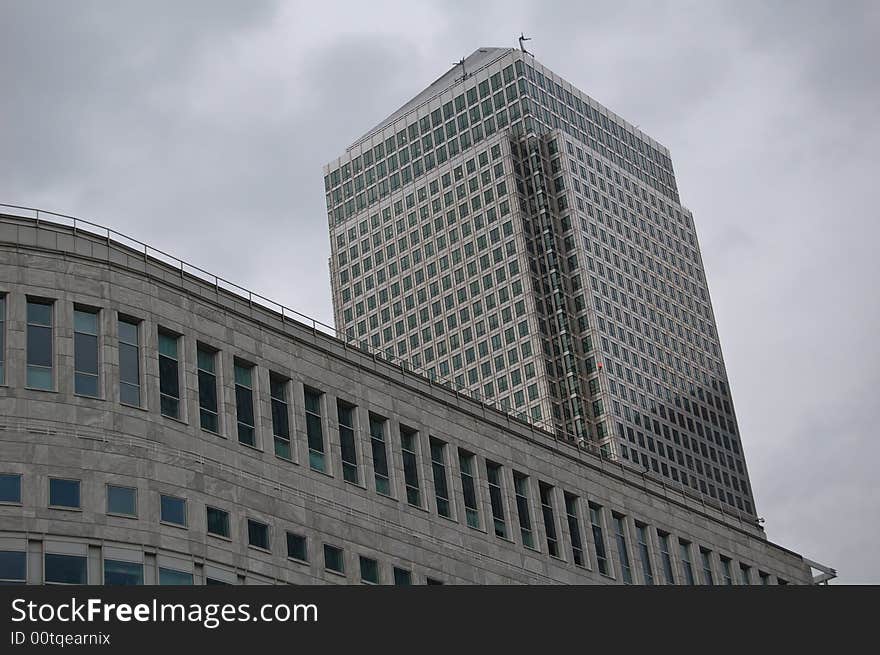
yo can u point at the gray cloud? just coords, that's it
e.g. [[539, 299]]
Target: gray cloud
[[201, 127]]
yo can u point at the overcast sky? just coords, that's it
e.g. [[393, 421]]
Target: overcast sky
[[202, 127]]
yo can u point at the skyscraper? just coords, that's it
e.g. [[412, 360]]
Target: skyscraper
[[506, 233]]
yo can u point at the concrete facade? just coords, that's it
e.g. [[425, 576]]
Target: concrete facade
[[101, 442]]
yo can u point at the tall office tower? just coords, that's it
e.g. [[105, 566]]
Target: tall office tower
[[506, 232]]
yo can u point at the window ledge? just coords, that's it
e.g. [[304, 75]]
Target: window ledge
[[66, 509], [174, 525], [129, 405]]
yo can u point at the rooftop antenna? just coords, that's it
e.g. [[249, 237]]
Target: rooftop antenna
[[522, 39], [461, 63]]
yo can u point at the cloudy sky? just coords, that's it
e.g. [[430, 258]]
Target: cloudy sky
[[201, 127]]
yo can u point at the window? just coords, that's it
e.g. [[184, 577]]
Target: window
[[258, 534], [706, 559], [433, 581], [2, 339], [334, 559], [521, 490], [10, 488], [121, 500], [666, 557], [622, 551], [129, 363], [63, 493], [369, 570], [314, 430], [280, 416], [408, 446], [764, 577], [574, 528], [346, 414], [206, 361], [172, 510], [174, 577], [169, 375], [745, 574], [546, 492], [117, 572], [244, 403], [438, 468], [13, 567], [645, 553], [218, 522], [85, 352], [725, 571], [39, 344], [685, 552], [496, 498], [65, 569], [402, 577], [599, 538], [380, 455], [297, 547], [469, 488]]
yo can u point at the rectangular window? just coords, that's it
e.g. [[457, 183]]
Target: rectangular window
[[622, 551], [280, 416], [65, 569], [380, 455], [469, 488], [599, 538], [408, 447], [725, 571], [369, 570], [121, 500], [521, 490], [297, 547], [13, 567], [63, 493], [258, 534], [244, 403], [169, 375], [433, 581], [764, 577], [546, 492], [206, 361], [2, 339], [402, 577], [218, 522], [172, 510], [40, 352], [438, 468], [666, 557], [745, 574], [174, 577], [706, 560], [121, 573], [496, 498], [129, 363], [10, 488], [346, 415], [685, 553], [334, 559], [85, 352], [645, 553], [314, 430], [574, 528]]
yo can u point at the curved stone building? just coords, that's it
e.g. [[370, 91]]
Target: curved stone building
[[158, 425]]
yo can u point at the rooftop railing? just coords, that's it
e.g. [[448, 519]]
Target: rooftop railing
[[548, 429]]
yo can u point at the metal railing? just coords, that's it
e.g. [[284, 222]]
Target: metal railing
[[546, 428], [42, 216]]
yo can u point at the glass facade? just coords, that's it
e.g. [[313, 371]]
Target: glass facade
[[516, 239]]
